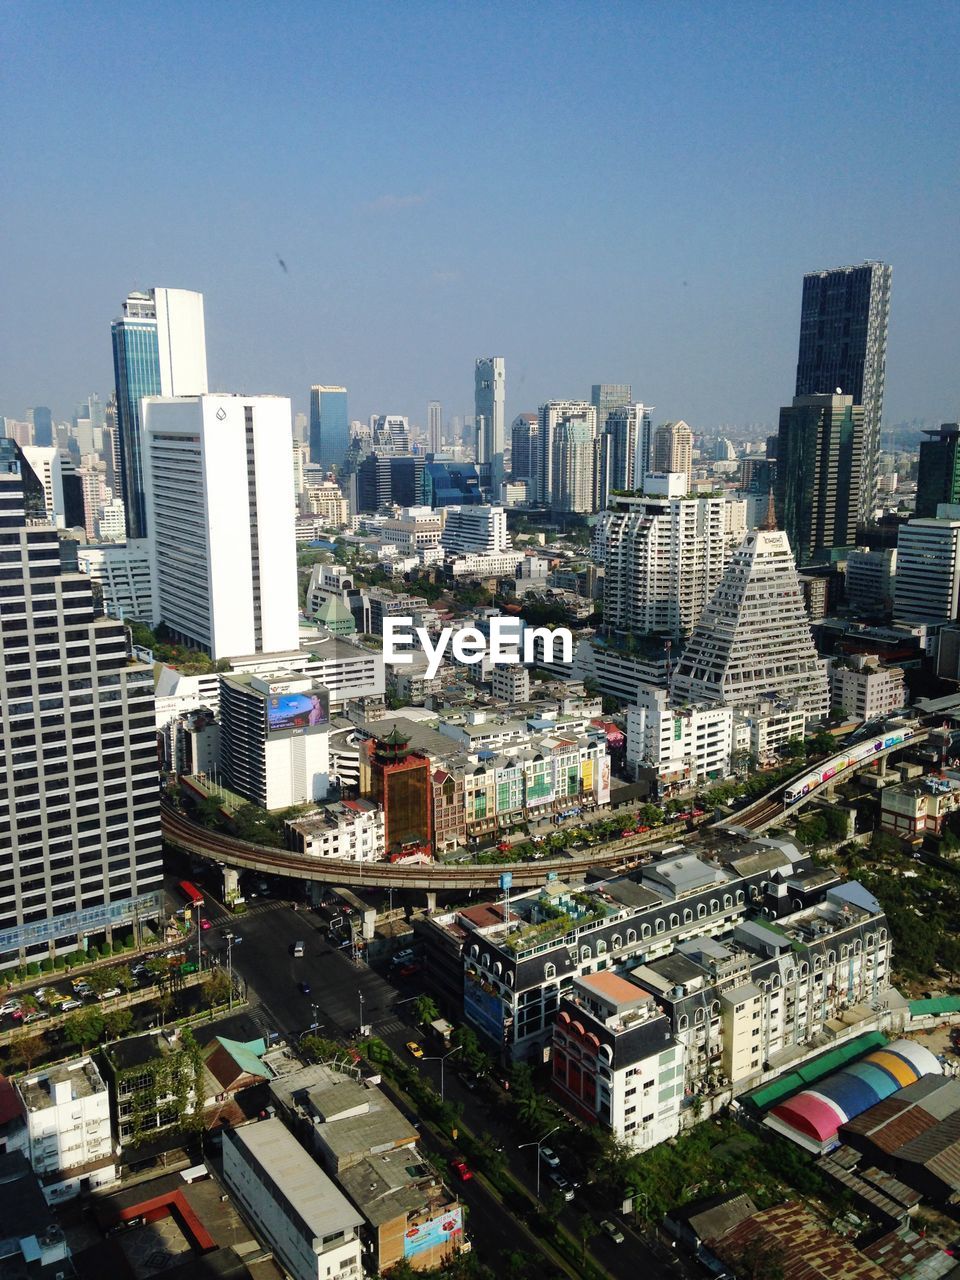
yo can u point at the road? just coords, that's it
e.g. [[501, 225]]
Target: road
[[265, 961]]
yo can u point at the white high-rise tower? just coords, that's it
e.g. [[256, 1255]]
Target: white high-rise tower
[[753, 639]]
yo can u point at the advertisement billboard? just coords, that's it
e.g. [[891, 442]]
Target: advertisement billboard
[[435, 1233], [297, 712]]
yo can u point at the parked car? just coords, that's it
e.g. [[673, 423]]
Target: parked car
[[409, 970], [612, 1230], [9, 1006], [562, 1185], [109, 994], [550, 1157], [36, 1016], [70, 1004], [415, 1050], [461, 1168]]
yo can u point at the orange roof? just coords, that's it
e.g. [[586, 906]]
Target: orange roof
[[614, 988]]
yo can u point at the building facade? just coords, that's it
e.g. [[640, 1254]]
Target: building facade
[[938, 472], [489, 407], [159, 349], [673, 449], [843, 345], [329, 427], [67, 1134], [927, 587], [220, 503], [865, 689]]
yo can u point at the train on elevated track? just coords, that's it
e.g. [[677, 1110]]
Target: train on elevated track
[[861, 754]]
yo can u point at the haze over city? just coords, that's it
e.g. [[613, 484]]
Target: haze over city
[[614, 192]]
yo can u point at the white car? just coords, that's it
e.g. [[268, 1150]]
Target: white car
[[549, 1158], [10, 1006], [109, 994], [612, 1230], [562, 1185]]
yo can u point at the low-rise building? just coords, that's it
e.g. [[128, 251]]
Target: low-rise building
[[912, 810], [121, 573], [614, 1060], [155, 1081], [677, 746], [290, 1202], [511, 682], [352, 830], [65, 1131], [864, 688]]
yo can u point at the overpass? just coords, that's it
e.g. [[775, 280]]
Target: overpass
[[771, 809], [188, 836]]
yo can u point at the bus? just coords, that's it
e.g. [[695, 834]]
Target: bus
[[192, 894]]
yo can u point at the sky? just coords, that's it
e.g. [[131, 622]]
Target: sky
[[598, 192]]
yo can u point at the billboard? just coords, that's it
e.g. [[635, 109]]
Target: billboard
[[297, 712], [435, 1233]]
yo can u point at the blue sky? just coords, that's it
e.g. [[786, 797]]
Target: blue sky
[[597, 192]]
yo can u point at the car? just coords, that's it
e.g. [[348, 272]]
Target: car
[[409, 970], [304, 988], [109, 994], [40, 993], [415, 1050], [562, 1185], [549, 1158], [17, 1015], [77, 983], [205, 923], [460, 1167], [612, 1230], [36, 1016], [70, 1004], [9, 1006]]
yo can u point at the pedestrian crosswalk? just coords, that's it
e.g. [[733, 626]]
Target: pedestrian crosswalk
[[384, 1026]]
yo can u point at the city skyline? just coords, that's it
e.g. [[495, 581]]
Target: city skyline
[[420, 261]]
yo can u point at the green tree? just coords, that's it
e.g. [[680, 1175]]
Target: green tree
[[425, 1008], [102, 980], [216, 987], [84, 1027], [471, 1053], [117, 1022], [26, 1050]]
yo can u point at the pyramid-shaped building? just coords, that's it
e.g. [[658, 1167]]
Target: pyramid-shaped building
[[753, 640]]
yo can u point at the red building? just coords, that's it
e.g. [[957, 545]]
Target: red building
[[401, 784]]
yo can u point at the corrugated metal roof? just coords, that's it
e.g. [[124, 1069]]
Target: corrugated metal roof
[[941, 1004], [769, 1094], [938, 1149]]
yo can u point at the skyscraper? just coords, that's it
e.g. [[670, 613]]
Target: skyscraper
[[843, 348], [938, 476], [218, 478], [753, 639], [624, 456], [523, 447], [159, 349], [435, 426], [42, 426], [550, 415], [927, 583], [663, 557], [81, 847], [329, 426], [489, 398], [607, 396], [818, 474], [574, 466], [673, 448]]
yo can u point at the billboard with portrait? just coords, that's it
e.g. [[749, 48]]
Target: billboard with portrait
[[297, 712]]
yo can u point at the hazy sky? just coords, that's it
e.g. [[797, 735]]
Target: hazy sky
[[597, 192]]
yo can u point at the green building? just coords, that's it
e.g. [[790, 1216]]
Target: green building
[[938, 476], [819, 474]]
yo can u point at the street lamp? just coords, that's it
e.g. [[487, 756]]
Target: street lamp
[[360, 994], [538, 1145], [230, 941], [441, 1058]]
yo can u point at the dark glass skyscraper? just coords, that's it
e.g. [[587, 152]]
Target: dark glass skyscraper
[[818, 471], [42, 426], [843, 348], [938, 476], [329, 426]]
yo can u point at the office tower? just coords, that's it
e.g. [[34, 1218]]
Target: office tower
[[489, 400], [92, 487], [753, 639], [870, 579], [384, 480], [435, 426], [329, 426], [22, 432], [451, 484], [624, 451], [574, 466], [275, 737], [843, 348], [549, 416], [758, 475], [400, 784], [938, 476], [112, 522], [673, 448], [723, 450], [819, 469], [927, 584], [390, 432], [218, 479], [479, 530], [607, 396], [523, 446], [663, 558], [80, 818], [301, 429], [42, 426], [47, 465], [159, 349]]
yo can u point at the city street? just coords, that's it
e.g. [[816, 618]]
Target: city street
[[264, 959]]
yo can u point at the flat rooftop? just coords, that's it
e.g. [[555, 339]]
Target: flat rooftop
[[39, 1091], [324, 1209]]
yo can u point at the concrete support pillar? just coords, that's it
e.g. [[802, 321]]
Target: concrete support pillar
[[231, 885], [882, 766], [431, 900]]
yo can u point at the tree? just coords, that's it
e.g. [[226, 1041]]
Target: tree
[[84, 1027], [425, 1008], [125, 979], [164, 1003], [27, 1050], [117, 1022], [217, 986], [101, 980], [471, 1054], [532, 1111]]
